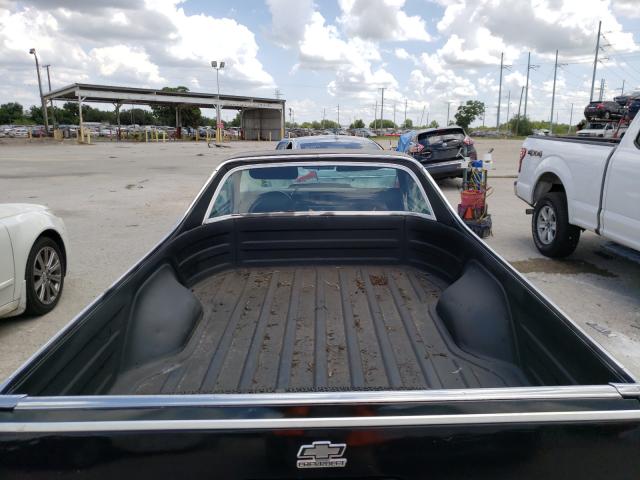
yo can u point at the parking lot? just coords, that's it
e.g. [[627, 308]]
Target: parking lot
[[118, 200]]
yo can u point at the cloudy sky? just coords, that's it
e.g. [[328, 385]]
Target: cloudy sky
[[329, 52]]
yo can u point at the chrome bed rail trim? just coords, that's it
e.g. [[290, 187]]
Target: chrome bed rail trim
[[322, 422], [321, 398]]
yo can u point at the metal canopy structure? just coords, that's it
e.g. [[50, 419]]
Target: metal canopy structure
[[265, 117]]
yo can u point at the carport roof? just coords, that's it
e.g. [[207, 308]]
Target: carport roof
[[149, 96]]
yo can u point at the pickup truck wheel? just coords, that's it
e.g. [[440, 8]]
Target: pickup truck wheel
[[44, 276], [552, 233]]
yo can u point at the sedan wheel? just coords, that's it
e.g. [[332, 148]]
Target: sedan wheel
[[45, 276]]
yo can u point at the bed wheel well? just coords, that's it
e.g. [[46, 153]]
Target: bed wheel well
[[548, 182]]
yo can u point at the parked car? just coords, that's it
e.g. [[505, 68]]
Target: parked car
[[19, 132], [441, 150], [363, 132], [581, 184], [622, 100], [603, 109], [602, 129], [353, 328], [327, 141], [33, 259], [633, 105], [38, 131]]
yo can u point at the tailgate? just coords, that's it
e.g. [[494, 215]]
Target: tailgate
[[525, 433]]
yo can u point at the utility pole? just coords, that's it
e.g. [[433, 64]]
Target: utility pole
[[382, 109], [405, 113], [519, 105], [601, 90], [448, 106], [570, 119], [428, 117], [394, 112], [502, 67], [323, 114], [422, 116], [375, 115], [622, 89], [553, 94], [526, 91], [338, 115], [595, 62], [508, 105]]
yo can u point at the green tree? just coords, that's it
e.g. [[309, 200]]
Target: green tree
[[468, 112], [237, 121], [408, 123], [35, 113], [330, 124], [433, 124], [166, 115], [359, 123], [383, 124], [11, 112], [520, 125]]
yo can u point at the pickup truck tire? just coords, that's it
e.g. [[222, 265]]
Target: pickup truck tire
[[552, 233]]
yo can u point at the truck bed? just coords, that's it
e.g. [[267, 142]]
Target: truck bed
[[325, 328]]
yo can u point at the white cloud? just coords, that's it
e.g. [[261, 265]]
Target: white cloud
[[149, 44], [626, 8], [285, 32], [402, 54], [541, 25], [126, 62], [381, 20]]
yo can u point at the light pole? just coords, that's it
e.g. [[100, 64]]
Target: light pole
[[44, 105], [217, 66], [53, 112]]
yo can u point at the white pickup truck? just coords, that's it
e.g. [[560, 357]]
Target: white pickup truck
[[577, 184]]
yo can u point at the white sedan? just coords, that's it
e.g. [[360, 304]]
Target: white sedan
[[33, 259]]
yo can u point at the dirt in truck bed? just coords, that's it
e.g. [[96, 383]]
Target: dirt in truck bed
[[318, 329]]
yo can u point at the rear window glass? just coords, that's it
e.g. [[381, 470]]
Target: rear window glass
[[439, 139], [319, 188], [349, 145]]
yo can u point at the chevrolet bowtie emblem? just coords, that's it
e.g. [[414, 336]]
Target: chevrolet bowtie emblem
[[322, 454]]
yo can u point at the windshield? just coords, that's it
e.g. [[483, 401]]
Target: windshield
[[319, 187]]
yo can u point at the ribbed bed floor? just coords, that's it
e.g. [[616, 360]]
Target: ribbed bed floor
[[318, 329]]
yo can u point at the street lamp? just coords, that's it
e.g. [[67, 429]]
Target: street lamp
[[217, 66], [53, 112], [44, 105]]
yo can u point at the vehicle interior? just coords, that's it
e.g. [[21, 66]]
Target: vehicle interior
[[287, 298]]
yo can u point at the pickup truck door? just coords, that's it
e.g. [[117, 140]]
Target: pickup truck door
[[7, 271], [620, 216]]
